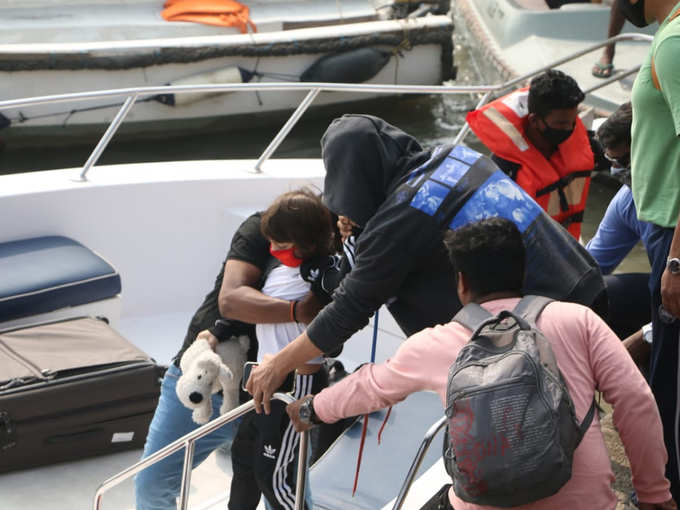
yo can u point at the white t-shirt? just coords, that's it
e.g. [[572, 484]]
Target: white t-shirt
[[283, 282]]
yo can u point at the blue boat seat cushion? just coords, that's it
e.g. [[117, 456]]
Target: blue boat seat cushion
[[43, 274]]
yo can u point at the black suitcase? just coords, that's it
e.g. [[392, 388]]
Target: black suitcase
[[72, 389]]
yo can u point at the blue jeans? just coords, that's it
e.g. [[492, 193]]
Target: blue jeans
[[158, 486], [663, 368]]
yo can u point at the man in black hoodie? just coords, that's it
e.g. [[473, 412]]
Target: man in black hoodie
[[402, 198]]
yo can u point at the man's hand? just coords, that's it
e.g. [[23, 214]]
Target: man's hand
[[667, 505], [670, 292], [293, 410], [212, 339], [638, 349], [307, 308], [264, 380], [345, 227]]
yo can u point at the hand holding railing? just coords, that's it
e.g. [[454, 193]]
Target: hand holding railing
[[188, 441]]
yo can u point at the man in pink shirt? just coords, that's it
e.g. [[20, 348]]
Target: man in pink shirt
[[489, 259]]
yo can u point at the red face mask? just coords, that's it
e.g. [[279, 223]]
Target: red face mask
[[287, 257]]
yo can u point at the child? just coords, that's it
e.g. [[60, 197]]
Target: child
[[299, 228]]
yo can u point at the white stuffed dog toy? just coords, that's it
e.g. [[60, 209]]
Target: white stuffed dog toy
[[205, 372]]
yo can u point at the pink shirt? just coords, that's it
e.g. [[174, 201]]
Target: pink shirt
[[589, 355]]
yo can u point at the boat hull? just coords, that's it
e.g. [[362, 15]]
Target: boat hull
[[420, 54]]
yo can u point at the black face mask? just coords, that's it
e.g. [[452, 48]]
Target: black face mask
[[635, 13], [555, 136], [621, 162]]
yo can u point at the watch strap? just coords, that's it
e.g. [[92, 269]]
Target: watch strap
[[673, 265], [313, 417], [308, 405]]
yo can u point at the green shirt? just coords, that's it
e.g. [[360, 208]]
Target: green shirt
[[655, 149]]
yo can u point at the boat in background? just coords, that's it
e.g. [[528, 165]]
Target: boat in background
[[49, 47], [503, 33]]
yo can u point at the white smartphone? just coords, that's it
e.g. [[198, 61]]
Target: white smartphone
[[247, 368]]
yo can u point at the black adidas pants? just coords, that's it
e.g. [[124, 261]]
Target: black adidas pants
[[274, 443]]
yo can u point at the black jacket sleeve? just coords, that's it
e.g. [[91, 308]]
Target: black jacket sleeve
[[383, 263]]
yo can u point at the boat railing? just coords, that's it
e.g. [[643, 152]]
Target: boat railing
[[131, 95], [417, 461], [188, 442]]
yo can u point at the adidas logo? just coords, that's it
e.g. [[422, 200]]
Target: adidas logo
[[269, 452], [313, 274]]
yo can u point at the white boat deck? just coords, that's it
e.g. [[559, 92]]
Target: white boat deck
[[71, 485], [165, 227]]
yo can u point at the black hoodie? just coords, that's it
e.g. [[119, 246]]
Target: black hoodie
[[404, 198]]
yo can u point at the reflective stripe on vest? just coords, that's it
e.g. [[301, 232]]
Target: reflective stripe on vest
[[559, 185]]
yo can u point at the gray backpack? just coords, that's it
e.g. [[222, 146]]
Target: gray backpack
[[511, 430]]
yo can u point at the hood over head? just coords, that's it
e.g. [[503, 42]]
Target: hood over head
[[364, 156]]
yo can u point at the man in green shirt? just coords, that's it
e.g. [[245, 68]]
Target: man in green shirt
[[655, 154]]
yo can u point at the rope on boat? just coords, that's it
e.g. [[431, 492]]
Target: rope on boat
[[364, 427], [171, 55]]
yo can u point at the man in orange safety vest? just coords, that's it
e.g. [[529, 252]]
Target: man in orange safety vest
[[537, 138]]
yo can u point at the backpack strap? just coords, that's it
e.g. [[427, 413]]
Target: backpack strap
[[530, 307], [472, 316], [587, 420], [655, 77]]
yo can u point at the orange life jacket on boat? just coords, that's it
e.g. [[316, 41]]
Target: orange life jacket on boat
[[222, 13], [559, 184]]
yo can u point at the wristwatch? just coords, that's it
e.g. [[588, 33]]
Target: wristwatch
[[673, 265], [306, 412]]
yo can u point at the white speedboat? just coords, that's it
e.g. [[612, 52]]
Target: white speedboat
[[139, 218], [164, 227], [75, 45], [504, 33]]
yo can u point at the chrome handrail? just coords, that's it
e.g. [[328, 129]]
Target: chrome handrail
[[417, 461], [188, 441], [132, 93]]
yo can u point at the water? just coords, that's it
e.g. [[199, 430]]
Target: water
[[432, 119]]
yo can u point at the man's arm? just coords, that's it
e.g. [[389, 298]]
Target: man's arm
[[614, 237], [668, 73], [636, 416], [381, 267], [239, 298], [268, 376], [638, 347], [417, 365]]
